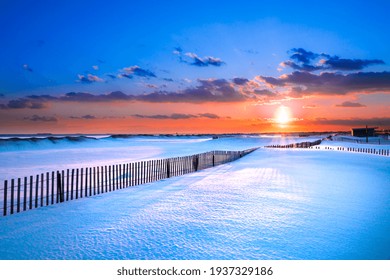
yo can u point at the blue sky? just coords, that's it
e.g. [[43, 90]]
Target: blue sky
[[51, 48]]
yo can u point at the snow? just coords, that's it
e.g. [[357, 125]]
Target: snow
[[270, 204], [25, 157]]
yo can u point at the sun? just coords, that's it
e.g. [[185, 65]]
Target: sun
[[282, 115]]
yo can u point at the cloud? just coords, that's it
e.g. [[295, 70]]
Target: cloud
[[89, 79], [138, 71], [124, 75], [303, 56], [240, 81], [336, 63], [177, 51], [309, 106], [211, 90], [95, 67], [208, 90], [354, 122], [209, 115], [350, 104], [36, 118], [177, 116], [303, 60], [328, 83], [86, 117], [27, 68], [205, 61], [23, 103], [112, 76]]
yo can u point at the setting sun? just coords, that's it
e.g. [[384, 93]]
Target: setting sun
[[282, 115]]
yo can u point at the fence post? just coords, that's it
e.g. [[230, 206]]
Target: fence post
[[60, 189], [12, 195], [31, 191], [77, 183], [25, 195], [52, 187], [18, 199], [168, 169], [196, 162], [36, 190], [5, 198]]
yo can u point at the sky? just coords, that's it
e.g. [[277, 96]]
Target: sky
[[193, 66]]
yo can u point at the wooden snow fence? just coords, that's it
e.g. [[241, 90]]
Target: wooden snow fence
[[296, 145], [314, 145], [48, 188]]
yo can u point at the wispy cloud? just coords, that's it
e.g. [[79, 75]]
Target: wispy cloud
[[23, 103], [85, 117], [350, 104], [89, 78], [137, 71], [196, 60], [36, 118], [177, 116], [205, 61], [27, 68]]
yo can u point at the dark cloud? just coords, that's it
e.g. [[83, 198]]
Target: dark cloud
[[350, 104], [301, 67], [240, 81], [138, 71], [124, 75], [355, 122], [23, 103], [212, 90], [86, 117], [265, 92], [36, 118], [303, 60], [303, 56], [209, 115], [205, 61], [333, 83], [176, 116], [336, 63]]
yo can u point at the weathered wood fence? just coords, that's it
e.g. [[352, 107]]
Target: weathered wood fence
[[48, 188], [296, 145], [381, 152], [314, 145]]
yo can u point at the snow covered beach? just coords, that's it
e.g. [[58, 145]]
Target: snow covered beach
[[271, 204]]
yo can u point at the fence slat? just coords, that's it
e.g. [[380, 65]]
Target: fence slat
[[77, 183], [31, 192], [5, 198], [12, 195], [18, 197], [36, 190], [25, 195], [52, 187]]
